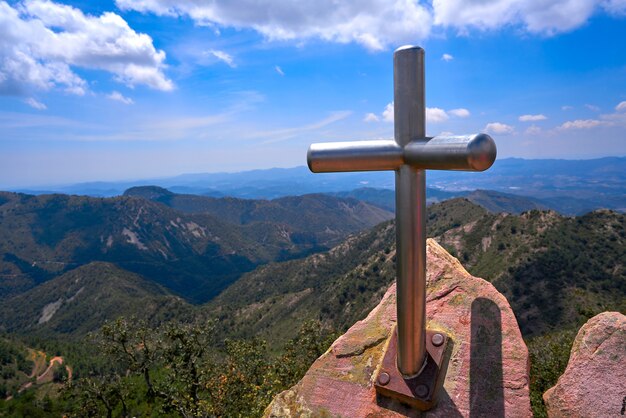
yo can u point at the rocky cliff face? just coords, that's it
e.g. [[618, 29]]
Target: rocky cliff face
[[594, 382], [487, 374]]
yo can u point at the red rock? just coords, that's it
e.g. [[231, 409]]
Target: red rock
[[594, 382], [487, 375]]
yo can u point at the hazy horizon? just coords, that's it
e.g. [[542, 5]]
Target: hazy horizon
[[43, 186]]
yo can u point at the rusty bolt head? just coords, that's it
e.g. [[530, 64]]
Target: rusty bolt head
[[383, 378], [437, 340], [421, 391]]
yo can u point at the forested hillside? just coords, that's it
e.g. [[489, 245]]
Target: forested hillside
[[194, 255], [16, 365], [328, 218], [83, 299], [556, 271], [533, 258], [493, 201]]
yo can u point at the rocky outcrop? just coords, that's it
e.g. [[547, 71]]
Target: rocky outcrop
[[487, 374], [594, 382]]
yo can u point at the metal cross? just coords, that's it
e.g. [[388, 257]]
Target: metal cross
[[410, 154]]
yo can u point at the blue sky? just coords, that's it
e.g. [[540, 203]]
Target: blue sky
[[131, 89]]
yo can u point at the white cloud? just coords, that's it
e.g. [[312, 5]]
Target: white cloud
[[35, 104], [371, 117], [167, 125], [566, 107], [614, 119], [41, 41], [447, 57], [223, 56], [532, 118], [581, 124], [436, 115], [388, 113], [536, 16], [433, 114], [459, 113], [279, 70], [365, 23], [533, 130], [368, 22], [499, 128], [117, 96], [621, 106], [593, 108]]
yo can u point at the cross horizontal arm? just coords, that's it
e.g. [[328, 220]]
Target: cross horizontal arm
[[467, 153], [470, 153], [354, 156]]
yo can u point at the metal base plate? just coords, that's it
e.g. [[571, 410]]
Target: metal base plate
[[420, 391]]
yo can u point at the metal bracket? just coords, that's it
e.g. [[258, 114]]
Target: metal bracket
[[419, 391]]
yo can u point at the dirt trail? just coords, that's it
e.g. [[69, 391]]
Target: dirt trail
[[47, 374], [39, 361]]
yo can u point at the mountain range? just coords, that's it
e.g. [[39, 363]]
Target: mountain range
[[533, 258], [569, 186], [265, 267], [194, 255], [488, 199]]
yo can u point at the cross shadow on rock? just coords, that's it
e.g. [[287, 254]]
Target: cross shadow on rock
[[486, 378]]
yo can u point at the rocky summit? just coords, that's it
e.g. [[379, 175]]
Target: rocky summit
[[487, 373]]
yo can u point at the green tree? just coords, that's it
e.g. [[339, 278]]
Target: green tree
[[549, 355], [179, 370]]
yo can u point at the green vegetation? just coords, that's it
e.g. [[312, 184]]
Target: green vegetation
[[549, 355], [177, 370], [533, 258], [496, 202], [491, 201], [81, 300], [16, 366], [325, 218], [33, 404], [195, 255], [556, 271]]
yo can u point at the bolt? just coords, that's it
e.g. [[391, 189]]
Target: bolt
[[421, 391], [383, 378], [437, 340]]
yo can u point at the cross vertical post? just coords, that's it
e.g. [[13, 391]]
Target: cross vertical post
[[409, 124], [414, 364]]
